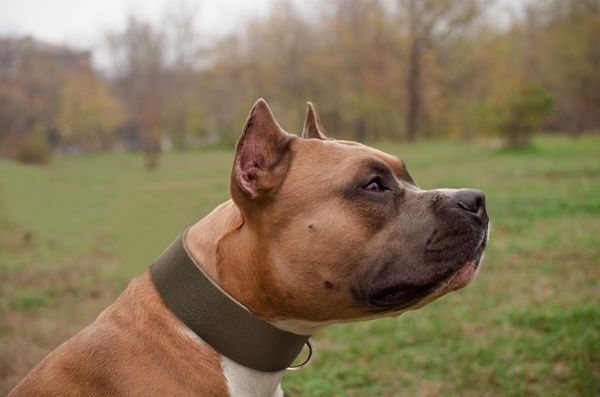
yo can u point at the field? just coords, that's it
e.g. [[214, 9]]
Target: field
[[529, 324]]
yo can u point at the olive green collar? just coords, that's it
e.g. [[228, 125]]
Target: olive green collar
[[216, 317]]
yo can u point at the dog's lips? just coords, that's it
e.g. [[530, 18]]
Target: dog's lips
[[402, 296], [466, 273], [399, 296], [462, 278]]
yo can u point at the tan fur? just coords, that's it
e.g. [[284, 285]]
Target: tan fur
[[275, 285], [136, 347], [313, 129]]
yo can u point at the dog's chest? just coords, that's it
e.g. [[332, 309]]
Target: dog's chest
[[246, 382], [243, 381]]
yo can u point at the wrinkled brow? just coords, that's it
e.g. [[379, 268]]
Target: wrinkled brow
[[399, 169], [401, 161]]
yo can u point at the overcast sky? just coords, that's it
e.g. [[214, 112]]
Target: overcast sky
[[84, 23]]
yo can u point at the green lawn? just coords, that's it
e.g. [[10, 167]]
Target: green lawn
[[528, 325]]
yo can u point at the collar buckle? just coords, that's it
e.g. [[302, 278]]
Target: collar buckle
[[311, 354]]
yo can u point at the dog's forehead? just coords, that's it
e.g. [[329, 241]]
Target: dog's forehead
[[340, 162], [366, 152]]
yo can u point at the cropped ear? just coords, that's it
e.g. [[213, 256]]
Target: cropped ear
[[312, 125], [262, 157]]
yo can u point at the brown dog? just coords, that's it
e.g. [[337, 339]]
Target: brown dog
[[318, 232]]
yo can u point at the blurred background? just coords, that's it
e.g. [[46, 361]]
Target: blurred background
[[177, 75], [117, 126]]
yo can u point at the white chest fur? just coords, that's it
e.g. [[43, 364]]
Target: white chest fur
[[246, 382], [243, 381]]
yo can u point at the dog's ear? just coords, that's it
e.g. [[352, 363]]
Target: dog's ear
[[262, 157], [312, 125]]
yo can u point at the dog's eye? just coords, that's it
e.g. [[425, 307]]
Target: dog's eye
[[373, 187]]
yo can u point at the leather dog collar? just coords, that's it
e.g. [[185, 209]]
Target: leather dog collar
[[216, 317]]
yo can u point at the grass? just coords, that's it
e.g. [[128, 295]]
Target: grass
[[528, 325]]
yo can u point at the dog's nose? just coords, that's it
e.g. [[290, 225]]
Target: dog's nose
[[472, 201]]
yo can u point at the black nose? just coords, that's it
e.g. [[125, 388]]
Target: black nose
[[471, 200]]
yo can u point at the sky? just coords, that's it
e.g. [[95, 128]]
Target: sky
[[83, 24]]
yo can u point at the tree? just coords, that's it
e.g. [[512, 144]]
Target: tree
[[524, 113], [569, 62], [363, 50], [139, 62], [429, 23], [89, 113], [182, 113], [31, 77], [3, 215]]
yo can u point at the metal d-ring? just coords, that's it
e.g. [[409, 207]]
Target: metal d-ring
[[311, 354]]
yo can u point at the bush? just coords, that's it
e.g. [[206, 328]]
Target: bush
[[33, 151], [524, 113]]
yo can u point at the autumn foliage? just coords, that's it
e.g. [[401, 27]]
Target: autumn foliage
[[391, 70]]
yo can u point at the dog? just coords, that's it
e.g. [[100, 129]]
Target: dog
[[318, 232]]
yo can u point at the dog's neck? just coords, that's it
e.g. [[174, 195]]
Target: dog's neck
[[202, 239], [227, 250], [236, 260]]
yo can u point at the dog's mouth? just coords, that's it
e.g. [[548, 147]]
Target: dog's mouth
[[400, 297], [404, 296]]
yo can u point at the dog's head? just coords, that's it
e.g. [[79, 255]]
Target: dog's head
[[344, 231]]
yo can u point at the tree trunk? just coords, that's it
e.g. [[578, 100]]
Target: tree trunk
[[150, 128], [414, 91]]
